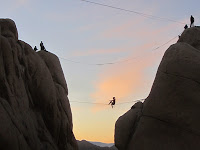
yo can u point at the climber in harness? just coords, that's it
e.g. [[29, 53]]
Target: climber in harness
[[112, 102]]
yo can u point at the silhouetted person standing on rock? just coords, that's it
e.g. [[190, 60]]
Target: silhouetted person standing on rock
[[191, 21], [112, 102], [42, 46], [186, 26], [35, 48]]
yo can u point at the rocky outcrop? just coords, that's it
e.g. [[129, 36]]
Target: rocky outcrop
[[170, 115], [35, 113], [126, 125]]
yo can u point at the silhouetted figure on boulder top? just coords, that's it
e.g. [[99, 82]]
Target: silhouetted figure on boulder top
[[191, 21], [35, 48], [186, 26], [112, 102], [42, 46]]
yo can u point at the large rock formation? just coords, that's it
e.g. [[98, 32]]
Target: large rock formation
[[35, 113], [169, 117]]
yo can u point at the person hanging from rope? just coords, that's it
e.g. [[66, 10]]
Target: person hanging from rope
[[112, 102], [191, 21]]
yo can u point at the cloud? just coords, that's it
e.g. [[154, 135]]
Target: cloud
[[19, 3], [97, 52], [138, 29], [121, 81], [129, 78], [122, 30], [22, 2]]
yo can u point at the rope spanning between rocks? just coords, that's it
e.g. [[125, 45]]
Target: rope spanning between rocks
[[138, 100], [85, 102], [120, 61], [130, 11], [135, 12]]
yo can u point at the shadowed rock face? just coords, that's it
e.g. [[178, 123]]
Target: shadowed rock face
[[125, 126], [169, 118], [35, 113]]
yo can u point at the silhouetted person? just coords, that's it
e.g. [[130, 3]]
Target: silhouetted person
[[42, 46], [186, 26], [191, 21], [35, 48], [112, 102]]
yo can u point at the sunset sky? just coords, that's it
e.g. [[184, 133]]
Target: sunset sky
[[104, 52]]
